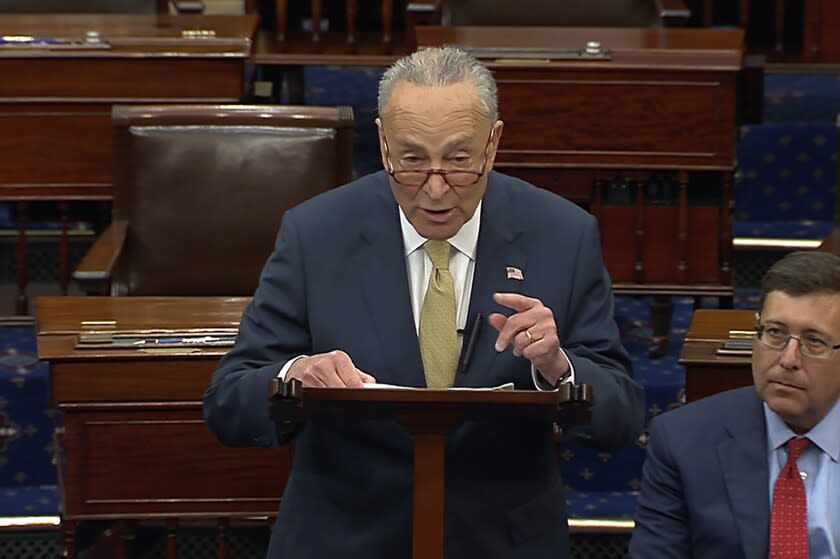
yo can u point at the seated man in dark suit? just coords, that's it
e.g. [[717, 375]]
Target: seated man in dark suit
[[375, 279], [755, 472]]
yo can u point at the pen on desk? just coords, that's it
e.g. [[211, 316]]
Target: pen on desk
[[469, 346]]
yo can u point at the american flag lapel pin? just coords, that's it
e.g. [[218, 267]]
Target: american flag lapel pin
[[514, 273]]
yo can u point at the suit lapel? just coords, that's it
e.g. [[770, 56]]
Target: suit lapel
[[385, 287], [743, 459], [496, 251]]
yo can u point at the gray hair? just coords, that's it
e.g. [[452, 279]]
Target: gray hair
[[438, 67], [803, 273]]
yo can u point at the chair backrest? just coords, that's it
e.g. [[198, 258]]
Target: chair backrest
[[203, 189], [590, 13], [83, 6]]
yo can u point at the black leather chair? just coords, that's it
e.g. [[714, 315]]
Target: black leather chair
[[199, 192]]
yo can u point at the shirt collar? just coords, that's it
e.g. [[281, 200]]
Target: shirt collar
[[465, 240], [823, 434]]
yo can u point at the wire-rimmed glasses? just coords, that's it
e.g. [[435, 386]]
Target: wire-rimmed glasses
[[453, 177], [810, 345]]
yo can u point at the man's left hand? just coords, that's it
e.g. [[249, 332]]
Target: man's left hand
[[532, 332]]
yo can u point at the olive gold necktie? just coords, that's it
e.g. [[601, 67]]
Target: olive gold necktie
[[438, 335]]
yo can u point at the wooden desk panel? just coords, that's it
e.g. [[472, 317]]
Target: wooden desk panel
[[639, 119], [707, 373], [42, 132], [132, 442]]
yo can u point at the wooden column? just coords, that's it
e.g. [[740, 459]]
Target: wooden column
[[21, 256], [352, 14], [387, 7], [780, 26], [726, 228], [682, 233]]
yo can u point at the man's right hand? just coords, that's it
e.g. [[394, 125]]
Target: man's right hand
[[328, 370]]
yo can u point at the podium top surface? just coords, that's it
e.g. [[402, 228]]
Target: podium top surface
[[678, 48], [459, 397], [120, 35]]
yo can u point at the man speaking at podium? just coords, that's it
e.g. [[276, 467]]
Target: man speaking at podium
[[435, 272]]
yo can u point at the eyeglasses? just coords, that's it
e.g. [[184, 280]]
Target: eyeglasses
[[452, 177], [810, 345]]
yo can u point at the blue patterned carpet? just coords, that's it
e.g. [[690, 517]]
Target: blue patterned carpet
[[784, 188], [27, 477]]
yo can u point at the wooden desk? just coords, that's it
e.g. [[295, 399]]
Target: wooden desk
[[657, 102], [55, 103], [705, 372], [131, 441]]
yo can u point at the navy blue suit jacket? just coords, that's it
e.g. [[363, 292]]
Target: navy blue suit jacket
[[337, 280], [705, 483]]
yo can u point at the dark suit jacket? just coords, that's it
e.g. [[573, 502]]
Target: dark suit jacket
[[705, 483], [337, 280]]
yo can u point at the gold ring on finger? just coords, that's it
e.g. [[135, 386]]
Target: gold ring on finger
[[529, 336]]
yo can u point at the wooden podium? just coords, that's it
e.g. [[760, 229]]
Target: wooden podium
[[429, 415], [131, 442]]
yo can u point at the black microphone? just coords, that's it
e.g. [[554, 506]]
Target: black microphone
[[469, 345]]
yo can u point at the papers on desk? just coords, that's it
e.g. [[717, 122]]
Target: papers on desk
[[737, 347], [92, 41], [505, 386], [158, 339]]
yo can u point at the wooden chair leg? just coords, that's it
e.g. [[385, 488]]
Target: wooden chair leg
[[172, 538], [63, 270], [128, 537], [68, 539], [21, 257], [661, 308], [780, 26], [810, 46], [352, 14], [387, 24], [317, 12], [281, 14], [744, 20], [222, 526]]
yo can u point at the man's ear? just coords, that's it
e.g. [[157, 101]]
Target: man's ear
[[496, 134], [380, 134]]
